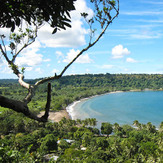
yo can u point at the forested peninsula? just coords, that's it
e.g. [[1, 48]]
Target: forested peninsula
[[23, 139]]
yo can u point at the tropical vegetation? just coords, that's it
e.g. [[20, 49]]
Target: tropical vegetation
[[26, 140]]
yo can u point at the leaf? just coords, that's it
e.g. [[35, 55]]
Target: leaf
[[84, 14], [12, 46], [67, 24], [54, 31], [23, 70]]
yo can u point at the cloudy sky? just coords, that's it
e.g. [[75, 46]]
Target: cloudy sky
[[132, 44]]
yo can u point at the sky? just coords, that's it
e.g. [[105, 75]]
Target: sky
[[133, 43]]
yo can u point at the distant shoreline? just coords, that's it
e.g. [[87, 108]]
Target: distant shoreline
[[70, 108], [68, 111]]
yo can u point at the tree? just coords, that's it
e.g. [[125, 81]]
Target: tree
[[35, 14], [48, 143], [56, 13], [106, 128]]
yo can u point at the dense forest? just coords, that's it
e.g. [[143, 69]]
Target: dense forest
[[74, 87], [25, 140]]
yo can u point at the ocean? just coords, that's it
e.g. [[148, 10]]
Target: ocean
[[121, 107]]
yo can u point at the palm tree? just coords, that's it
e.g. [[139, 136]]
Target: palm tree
[[151, 127], [137, 124], [85, 122], [79, 122], [94, 122]]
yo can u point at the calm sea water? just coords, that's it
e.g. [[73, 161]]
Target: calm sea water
[[123, 108]]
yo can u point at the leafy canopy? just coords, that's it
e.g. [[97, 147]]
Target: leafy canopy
[[55, 12]]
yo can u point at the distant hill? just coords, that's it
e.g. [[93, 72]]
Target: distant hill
[[117, 81]]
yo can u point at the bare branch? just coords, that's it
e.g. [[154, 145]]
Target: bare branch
[[47, 108], [47, 79], [81, 52], [22, 83], [2, 36], [91, 44], [4, 54]]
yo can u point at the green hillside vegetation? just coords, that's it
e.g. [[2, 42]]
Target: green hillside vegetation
[[26, 140], [70, 88]]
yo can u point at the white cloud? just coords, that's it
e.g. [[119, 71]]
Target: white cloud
[[47, 60], [29, 59], [4, 68], [146, 36], [38, 70], [141, 13], [72, 54], [107, 66], [71, 37], [59, 54], [28, 68], [119, 51], [48, 65], [54, 71], [81, 7], [131, 60], [5, 31], [153, 2]]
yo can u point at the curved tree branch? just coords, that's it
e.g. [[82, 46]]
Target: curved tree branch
[[21, 107], [28, 42], [104, 19], [85, 49], [21, 81]]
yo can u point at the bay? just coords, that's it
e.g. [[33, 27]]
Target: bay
[[122, 108]]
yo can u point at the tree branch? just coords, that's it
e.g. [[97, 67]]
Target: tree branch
[[47, 108], [26, 44], [81, 52], [21, 107], [91, 44], [21, 81], [4, 54]]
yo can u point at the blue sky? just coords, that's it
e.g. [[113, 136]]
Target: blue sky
[[132, 44]]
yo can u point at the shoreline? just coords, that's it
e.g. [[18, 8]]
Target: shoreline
[[68, 112], [70, 108]]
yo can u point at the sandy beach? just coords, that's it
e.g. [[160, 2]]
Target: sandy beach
[[68, 113], [56, 116]]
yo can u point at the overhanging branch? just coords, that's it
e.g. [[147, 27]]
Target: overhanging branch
[[81, 52], [21, 107]]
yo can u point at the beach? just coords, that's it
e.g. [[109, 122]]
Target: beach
[[56, 116], [69, 112]]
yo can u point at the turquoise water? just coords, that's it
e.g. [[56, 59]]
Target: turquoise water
[[123, 108]]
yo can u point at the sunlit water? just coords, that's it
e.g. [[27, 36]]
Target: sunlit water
[[123, 108]]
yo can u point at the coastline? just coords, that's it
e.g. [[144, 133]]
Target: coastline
[[70, 108], [68, 112]]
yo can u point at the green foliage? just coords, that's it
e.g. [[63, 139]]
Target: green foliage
[[56, 13], [106, 128], [22, 139], [48, 143]]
